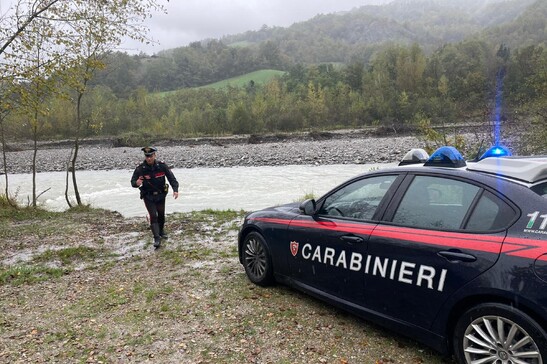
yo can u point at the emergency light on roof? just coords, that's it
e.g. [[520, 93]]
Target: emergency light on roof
[[414, 156], [446, 157], [496, 151]]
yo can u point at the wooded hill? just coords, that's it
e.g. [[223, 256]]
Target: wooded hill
[[353, 36], [406, 66]]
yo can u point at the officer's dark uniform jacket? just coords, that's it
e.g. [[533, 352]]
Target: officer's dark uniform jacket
[[153, 183]]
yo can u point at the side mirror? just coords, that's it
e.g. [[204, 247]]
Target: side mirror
[[308, 207]]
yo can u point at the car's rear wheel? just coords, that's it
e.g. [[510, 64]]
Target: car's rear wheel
[[257, 260], [498, 334]]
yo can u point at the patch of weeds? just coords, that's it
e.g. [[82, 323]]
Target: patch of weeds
[[209, 216], [307, 196], [13, 211], [226, 269], [107, 266], [26, 274], [111, 299], [152, 294], [220, 215], [37, 228], [138, 287], [176, 257], [139, 340], [81, 208], [69, 255], [180, 255], [53, 337], [133, 317], [228, 254]]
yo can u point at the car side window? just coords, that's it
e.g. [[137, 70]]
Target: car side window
[[359, 199], [435, 203], [491, 213]]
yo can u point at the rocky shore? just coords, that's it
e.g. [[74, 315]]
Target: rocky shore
[[348, 147]]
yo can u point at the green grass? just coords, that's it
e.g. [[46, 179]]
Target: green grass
[[69, 255], [11, 210], [24, 274], [258, 77]]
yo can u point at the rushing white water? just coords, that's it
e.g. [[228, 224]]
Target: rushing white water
[[236, 188]]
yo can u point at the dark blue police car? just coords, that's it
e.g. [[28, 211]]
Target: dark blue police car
[[451, 253]]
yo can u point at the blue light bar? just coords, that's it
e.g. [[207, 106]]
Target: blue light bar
[[496, 151], [446, 157]]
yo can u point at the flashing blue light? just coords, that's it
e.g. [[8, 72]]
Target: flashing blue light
[[496, 151], [446, 157]]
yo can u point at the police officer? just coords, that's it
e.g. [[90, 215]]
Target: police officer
[[149, 177]]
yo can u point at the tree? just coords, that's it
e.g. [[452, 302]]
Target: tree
[[99, 32], [40, 38], [35, 86], [5, 109]]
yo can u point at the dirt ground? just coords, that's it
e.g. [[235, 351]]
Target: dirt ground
[[88, 287]]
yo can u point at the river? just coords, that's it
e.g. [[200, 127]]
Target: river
[[236, 188]]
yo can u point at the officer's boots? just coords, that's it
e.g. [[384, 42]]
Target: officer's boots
[[163, 235], [156, 231]]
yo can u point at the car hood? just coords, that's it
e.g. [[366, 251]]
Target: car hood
[[293, 207], [281, 210]]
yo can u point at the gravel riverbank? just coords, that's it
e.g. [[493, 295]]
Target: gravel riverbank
[[325, 148]]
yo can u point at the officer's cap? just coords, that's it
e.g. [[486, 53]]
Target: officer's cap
[[148, 151]]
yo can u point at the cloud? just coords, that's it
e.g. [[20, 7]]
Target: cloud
[[188, 21]]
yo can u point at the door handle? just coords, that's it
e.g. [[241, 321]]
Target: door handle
[[457, 256], [352, 239]]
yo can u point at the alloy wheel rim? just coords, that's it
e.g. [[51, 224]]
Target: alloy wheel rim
[[255, 258], [498, 340]]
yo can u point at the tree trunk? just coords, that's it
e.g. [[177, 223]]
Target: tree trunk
[[66, 181], [76, 148], [5, 159], [34, 155]]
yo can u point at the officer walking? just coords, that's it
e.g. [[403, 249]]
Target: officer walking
[[149, 177]]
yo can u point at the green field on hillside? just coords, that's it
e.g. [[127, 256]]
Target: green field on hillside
[[258, 77]]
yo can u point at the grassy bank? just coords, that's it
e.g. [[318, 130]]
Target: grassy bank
[[86, 286]]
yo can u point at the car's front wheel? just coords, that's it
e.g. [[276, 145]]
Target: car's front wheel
[[499, 334], [257, 260]]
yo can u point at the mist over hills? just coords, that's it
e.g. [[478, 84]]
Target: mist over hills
[[430, 23], [337, 38]]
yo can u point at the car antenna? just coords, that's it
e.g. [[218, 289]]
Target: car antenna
[[480, 151]]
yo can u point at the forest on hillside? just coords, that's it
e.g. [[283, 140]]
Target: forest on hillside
[[400, 73], [340, 38]]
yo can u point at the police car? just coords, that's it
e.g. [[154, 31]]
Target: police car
[[449, 252]]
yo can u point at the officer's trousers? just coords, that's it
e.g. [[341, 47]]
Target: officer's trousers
[[155, 204]]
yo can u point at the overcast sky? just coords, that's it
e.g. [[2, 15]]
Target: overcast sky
[[194, 20]]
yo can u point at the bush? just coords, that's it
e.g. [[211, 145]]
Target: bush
[[133, 139]]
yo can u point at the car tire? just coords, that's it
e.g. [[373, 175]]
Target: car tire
[[257, 259], [501, 333]]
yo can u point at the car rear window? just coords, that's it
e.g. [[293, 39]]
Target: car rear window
[[540, 189], [435, 203], [491, 213]]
